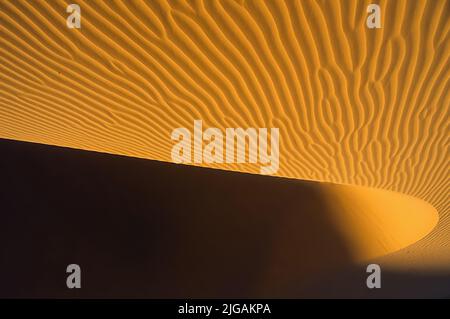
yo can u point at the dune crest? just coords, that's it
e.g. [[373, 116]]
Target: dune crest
[[378, 222], [170, 230]]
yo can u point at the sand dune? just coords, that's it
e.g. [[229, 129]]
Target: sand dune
[[152, 229], [354, 106]]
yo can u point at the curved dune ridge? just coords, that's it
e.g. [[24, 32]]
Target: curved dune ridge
[[375, 222], [224, 245], [358, 106]]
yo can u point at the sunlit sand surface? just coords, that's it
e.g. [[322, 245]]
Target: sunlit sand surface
[[360, 107]]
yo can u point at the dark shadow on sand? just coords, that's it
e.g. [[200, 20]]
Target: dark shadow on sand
[[147, 229], [401, 283]]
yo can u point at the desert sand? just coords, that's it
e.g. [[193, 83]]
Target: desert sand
[[142, 228], [363, 109]]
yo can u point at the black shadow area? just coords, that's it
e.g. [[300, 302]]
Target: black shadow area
[[148, 229]]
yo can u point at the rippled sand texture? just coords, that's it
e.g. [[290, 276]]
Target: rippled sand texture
[[354, 105]]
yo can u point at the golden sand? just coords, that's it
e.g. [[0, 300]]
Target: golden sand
[[357, 106]]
